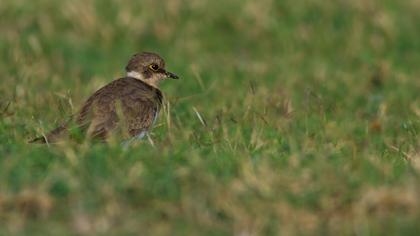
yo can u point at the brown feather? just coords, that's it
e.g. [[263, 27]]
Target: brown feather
[[98, 117], [130, 104]]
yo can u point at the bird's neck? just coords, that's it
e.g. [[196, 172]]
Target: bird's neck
[[151, 81]]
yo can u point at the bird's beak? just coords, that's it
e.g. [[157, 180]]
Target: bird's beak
[[168, 74], [171, 75]]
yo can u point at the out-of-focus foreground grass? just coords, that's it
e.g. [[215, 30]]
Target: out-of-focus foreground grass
[[310, 118]]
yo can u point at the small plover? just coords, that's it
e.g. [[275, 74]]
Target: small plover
[[133, 101]]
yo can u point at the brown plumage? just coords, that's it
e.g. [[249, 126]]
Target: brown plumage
[[130, 104]]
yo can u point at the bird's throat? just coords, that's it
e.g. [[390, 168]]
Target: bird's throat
[[154, 82]]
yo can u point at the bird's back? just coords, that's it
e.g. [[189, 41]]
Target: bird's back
[[126, 103], [126, 100]]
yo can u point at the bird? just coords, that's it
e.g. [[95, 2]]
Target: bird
[[130, 103]]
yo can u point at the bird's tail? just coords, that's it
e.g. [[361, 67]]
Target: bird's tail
[[53, 136]]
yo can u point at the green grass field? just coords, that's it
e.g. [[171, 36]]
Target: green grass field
[[310, 118]]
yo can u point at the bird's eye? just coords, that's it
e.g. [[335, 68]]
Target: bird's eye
[[154, 67]]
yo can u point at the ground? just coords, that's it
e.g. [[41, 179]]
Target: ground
[[290, 118]]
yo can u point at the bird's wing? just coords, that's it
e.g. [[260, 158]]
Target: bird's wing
[[140, 110], [124, 104], [98, 117]]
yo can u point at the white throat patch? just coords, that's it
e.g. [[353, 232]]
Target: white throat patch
[[135, 74], [154, 81]]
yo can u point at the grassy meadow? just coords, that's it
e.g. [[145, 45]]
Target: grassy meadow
[[290, 118]]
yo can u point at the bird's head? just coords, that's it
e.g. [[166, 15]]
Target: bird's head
[[149, 68]]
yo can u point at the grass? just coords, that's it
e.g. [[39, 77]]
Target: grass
[[309, 118]]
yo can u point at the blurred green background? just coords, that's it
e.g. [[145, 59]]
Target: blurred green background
[[311, 118]]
